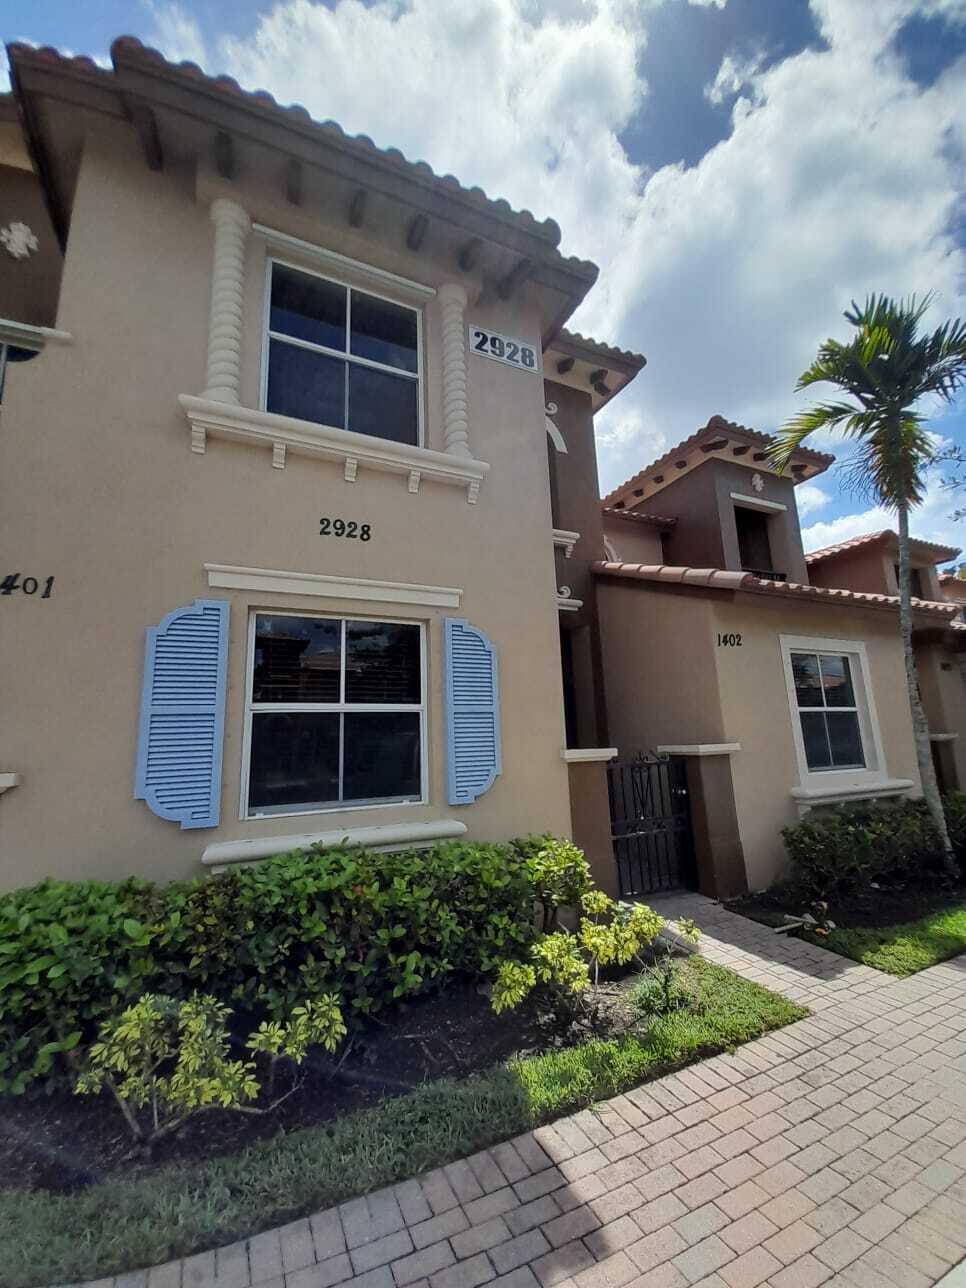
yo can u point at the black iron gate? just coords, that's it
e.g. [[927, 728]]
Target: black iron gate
[[651, 824]]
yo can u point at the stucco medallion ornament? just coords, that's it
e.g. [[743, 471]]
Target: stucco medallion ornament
[[551, 409], [757, 482], [18, 240]]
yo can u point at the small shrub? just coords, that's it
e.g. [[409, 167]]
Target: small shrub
[[165, 1061], [558, 872], [842, 849], [564, 964]]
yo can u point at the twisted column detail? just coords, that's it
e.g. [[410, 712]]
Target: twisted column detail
[[456, 426], [223, 374]]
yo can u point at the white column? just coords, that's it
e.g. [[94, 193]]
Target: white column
[[232, 226], [456, 427]]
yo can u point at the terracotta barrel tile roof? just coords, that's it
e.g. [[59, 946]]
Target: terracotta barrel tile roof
[[728, 579], [715, 426], [870, 538]]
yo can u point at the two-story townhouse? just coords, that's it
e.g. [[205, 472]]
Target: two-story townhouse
[[287, 423], [870, 563], [720, 648]]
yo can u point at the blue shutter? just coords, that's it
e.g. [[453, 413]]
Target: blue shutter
[[182, 723], [472, 711]]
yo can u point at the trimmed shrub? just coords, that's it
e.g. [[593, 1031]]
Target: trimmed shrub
[[372, 928], [842, 849]]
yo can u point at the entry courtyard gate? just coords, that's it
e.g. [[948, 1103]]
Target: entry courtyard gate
[[651, 824]]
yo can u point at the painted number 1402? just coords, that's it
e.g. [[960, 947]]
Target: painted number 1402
[[729, 641]]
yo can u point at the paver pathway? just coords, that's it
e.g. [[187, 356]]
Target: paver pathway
[[831, 1152]]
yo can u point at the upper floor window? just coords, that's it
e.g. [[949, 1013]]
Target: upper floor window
[[915, 582], [10, 353], [754, 547], [828, 710], [342, 357]]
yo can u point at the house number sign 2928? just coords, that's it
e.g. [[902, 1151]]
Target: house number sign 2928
[[503, 348]]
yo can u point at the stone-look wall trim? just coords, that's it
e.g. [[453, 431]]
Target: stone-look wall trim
[[588, 755], [25, 336], [456, 426], [392, 835], [223, 375], [699, 749], [8, 780], [323, 586], [209, 416]]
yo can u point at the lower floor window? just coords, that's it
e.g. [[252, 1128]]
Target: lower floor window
[[828, 711], [335, 714]]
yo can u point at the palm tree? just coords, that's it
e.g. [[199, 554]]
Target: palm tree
[[885, 369]]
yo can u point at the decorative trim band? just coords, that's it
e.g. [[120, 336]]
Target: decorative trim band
[[207, 416], [565, 541], [283, 582], [856, 791], [25, 336], [342, 263], [391, 836], [756, 503], [699, 749], [7, 781], [587, 755]]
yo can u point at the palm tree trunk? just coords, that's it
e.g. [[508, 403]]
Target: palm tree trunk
[[920, 726]]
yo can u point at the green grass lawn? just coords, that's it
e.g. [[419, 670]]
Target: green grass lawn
[[907, 948], [134, 1222]]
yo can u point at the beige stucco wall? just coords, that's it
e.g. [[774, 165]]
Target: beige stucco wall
[[99, 488], [633, 542], [755, 704]]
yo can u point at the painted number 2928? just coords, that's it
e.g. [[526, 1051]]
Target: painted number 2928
[[29, 585], [345, 528]]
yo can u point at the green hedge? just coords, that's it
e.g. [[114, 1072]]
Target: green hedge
[[372, 927], [840, 850]]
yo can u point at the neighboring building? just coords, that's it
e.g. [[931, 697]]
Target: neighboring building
[[293, 426], [721, 647], [871, 562]]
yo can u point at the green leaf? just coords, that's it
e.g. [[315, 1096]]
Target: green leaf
[[133, 928]]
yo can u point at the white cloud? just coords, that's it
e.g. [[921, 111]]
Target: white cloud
[[733, 74], [810, 498], [175, 32], [840, 176], [929, 522]]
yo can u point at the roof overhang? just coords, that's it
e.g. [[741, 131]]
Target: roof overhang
[[734, 582], [720, 439], [926, 552], [182, 117], [595, 368]]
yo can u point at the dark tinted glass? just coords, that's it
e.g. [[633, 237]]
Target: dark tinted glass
[[808, 683], [383, 332], [307, 385], [308, 307], [817, 755], [295, 760], [837, 681], [845, 739], [381, 662], [297, 659], [754, 549], [381, 757], [382, 405]]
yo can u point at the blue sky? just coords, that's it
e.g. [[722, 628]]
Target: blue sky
[[740, 169]]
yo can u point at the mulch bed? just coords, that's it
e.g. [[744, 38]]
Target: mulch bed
[[866, 908], [62, 1141]]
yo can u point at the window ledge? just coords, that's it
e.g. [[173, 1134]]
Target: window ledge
[[284, 433], [806, 796], [7, 781], [698, 748], [392, 836], [586, 755], [565, 541]]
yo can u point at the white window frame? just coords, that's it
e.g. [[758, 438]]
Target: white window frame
[[334, 708], [834, 780], [349, 286]]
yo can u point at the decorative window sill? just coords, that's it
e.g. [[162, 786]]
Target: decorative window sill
[[943, 737], [7, 781], [588, 755], [391, 836], [699, 749], [565, 541], [25, 336], [284, 433], [805, 797]]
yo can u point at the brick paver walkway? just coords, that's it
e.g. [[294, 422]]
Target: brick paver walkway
[[832, 1152]]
